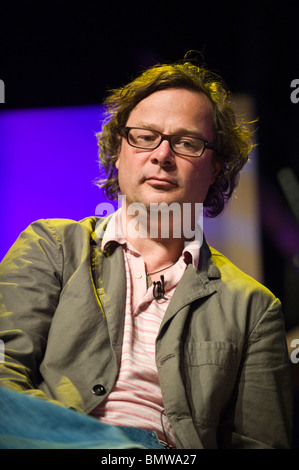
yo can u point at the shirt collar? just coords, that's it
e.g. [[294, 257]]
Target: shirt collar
[[114, 233]]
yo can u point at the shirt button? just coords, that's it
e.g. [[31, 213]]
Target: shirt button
[[98, 389], [138, 275]]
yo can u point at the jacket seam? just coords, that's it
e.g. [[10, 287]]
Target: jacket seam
[[253, 331], [54, 233]]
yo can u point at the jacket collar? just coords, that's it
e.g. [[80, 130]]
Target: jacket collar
[[195, 283], [109, 277]]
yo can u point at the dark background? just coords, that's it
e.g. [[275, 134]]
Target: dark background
[[69, 53]]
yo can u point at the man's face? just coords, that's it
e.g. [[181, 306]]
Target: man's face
[[160, 175]]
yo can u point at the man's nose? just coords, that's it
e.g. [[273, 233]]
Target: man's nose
[[163, 155]]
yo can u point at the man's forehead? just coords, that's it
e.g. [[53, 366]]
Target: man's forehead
[[183, 109]]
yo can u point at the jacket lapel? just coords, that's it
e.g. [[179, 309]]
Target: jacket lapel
[[195, 284], [110, 280]]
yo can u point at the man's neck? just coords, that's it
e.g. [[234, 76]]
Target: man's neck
[[159, 245]]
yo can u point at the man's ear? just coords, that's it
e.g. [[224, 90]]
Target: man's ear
[[117, 152]]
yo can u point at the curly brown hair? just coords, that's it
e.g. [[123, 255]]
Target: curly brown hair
[[233, 139]]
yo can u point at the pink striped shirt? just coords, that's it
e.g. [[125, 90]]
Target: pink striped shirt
[[136, 399]]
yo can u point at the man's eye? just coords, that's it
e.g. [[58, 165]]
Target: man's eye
[[147, 138], [186, 143]]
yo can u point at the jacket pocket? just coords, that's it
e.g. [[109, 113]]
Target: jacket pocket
[[218, 353], [210, 369]]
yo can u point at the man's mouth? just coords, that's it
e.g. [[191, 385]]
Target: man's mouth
[[160, 182]]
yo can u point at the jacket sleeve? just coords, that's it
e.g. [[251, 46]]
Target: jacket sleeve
[[263, 413], [30, 285]]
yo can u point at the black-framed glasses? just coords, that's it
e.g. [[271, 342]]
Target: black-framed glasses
[[149, 139]]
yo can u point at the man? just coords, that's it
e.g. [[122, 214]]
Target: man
[[152, 332]]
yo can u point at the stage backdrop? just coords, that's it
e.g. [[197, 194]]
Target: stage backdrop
[[49, 160]]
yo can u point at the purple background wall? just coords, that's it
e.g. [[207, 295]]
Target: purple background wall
[[48, 161]]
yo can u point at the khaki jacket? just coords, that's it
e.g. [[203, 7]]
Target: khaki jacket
[[220, 352]]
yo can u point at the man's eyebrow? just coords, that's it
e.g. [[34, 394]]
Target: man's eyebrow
[[146, 125], [178, 131]]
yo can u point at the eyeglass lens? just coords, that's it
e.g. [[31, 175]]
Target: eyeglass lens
[[149, 139]]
